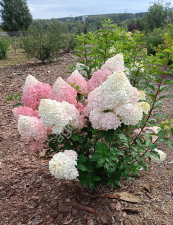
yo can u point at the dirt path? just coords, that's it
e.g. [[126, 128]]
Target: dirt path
[[29, 194]]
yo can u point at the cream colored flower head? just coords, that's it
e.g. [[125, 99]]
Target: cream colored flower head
[[145, 106], [156, 159], [142, 95]]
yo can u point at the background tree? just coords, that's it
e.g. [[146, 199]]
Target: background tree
[[157, 14], [15, 15]]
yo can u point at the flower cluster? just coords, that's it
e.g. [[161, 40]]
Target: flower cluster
[[62, 165], [111, 101], [117, 97], [34, 91], [97, 79], [114, 63], [77, 79], [31, 129], [156, 159], [62, 91], [57, 114], [25, 111]]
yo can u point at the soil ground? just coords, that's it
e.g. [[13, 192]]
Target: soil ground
[[29, 194]]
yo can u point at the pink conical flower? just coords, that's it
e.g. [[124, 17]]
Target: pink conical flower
[[62, 91]]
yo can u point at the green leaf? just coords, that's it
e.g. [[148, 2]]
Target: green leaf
[[160, 115], [95, 157], [17, 104], [171, 130], [96, 179], [168, 82], [75, 137], [161, 134], [102, 147], [82, 158], [76, 88], [109, 135], [166, 96], [91, 184], [148, 85], [84, 182], [169, 143], [82, 167]]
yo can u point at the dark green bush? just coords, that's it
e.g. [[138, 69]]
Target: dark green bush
[[68, 42], [43, 44], [153, 39], [4, 45]]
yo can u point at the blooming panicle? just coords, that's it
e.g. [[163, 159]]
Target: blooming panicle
[[62, 91], [156, 159], [79, 67], [30, 80], [34, 91], [31, 128], [145, 107], [57, 114], [97, 79], [110, 121], [117, 96], [142, 95], [77, 79], [114, 91], [114, 63], [62, 165], [71, 153], [134, 118], [25, 111]]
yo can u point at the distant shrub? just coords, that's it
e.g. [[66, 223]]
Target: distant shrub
[[159, 39], [68, 42], [153, 39], [43, 44], [132, 26], [4, 45]]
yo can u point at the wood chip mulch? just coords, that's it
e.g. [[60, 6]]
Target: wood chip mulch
[[29, 194]]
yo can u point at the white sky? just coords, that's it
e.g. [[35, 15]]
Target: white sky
[[47, 9]]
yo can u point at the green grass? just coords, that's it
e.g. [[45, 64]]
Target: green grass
[[13, 58]]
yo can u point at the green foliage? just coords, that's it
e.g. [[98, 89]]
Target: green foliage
[[159, 39], [15, 15], [15, 98], [157, 14], [106, 156], [68, 42], [4, 45], [43, 44], [15, 43]]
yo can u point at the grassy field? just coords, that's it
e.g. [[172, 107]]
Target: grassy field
[[13, 58]]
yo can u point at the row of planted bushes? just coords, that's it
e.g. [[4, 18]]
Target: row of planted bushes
[[39, 43], [45, 44]]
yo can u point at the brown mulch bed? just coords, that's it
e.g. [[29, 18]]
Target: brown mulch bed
[[29, 194]]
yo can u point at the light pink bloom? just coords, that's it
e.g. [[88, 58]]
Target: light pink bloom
[[25, 111], [77, 79], [71, 153], [97, 79], [32, 94], [154, 128], [31, 128], [62, 91]]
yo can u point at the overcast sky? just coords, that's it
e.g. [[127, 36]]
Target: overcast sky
[[47, 9]]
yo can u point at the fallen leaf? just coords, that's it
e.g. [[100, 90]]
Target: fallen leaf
[[125, 196], [68, 222], [130, 210]]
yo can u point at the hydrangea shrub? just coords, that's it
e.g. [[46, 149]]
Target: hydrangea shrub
[[102, 125]]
